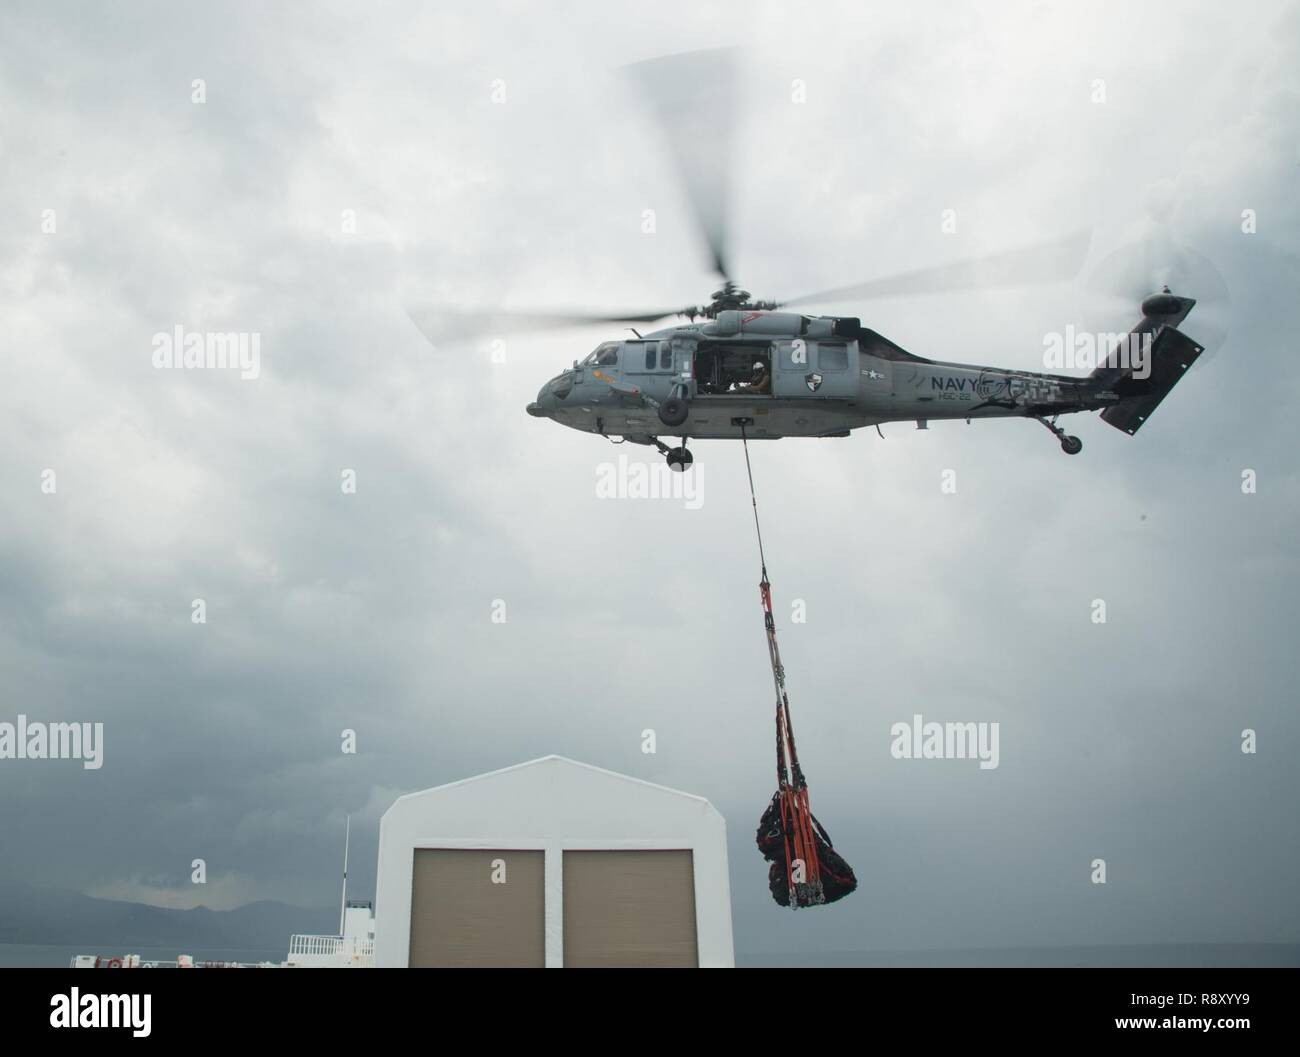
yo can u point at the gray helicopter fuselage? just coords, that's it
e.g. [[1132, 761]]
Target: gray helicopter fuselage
[[824, 377]]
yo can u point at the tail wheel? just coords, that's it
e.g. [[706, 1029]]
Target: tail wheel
[[680, 459], [1071, 445], [673, 411]]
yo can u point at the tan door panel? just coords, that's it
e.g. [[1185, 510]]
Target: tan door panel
[[629, 908], [461, 919]]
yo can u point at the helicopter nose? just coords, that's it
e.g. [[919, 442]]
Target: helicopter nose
[[544, 404]]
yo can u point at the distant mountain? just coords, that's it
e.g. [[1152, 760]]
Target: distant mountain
[[57, 917]]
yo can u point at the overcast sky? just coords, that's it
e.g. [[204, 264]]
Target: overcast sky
[[372, 611]]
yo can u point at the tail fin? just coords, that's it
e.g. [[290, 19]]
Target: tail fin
[[1143, 385]]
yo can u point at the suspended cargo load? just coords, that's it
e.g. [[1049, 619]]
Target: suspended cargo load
[[835, 878], [806, 869]]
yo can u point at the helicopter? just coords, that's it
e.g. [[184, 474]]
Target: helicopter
[[740, 368], [765, 374]]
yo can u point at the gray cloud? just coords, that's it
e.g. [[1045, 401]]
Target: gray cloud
[[371, 612]]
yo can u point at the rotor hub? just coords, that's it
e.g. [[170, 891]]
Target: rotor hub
[[729, 298]]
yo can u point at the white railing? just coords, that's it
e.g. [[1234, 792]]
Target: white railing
[[316, 945], [337, 948]]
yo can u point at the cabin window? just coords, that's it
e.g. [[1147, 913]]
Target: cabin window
[[832, 357], [665, 357], [650, 357], [793, 355]]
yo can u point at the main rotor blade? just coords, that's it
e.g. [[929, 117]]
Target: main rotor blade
[[693, 96], [441, 325], [1046, 262]]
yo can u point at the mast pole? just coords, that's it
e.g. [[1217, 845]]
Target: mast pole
[[343, 902]]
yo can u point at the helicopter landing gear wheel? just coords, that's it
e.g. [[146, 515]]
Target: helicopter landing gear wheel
[[673, 411], [1069, 445], [679, 459]]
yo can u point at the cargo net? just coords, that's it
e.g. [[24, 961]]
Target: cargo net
[[806, 869], [833, 878]]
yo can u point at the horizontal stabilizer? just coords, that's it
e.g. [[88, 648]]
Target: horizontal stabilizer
[[1172, 353]]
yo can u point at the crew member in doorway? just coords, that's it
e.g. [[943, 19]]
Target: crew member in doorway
[[759, 381]]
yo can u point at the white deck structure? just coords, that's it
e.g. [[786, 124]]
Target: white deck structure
[[355, 949]]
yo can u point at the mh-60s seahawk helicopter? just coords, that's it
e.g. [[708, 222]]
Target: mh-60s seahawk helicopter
[[766, 374], [740, 368]]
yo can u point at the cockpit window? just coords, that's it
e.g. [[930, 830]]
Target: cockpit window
[[605, 355]]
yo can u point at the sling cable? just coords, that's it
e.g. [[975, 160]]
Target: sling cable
[[806, 870]]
